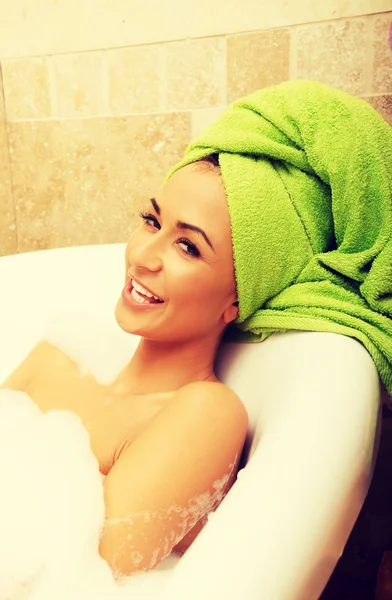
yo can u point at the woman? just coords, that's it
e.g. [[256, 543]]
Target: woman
[[156, 428], [304, 186]]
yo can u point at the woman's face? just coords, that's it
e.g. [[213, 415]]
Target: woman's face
[[182, 253]]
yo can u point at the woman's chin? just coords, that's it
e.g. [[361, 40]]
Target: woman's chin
[[133, 323], [125, 320]]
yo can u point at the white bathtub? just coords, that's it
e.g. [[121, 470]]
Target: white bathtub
[[282, 527]]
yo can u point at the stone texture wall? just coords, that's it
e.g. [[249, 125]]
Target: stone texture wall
[[86, 137]]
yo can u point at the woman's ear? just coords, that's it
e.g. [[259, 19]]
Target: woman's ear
[[230, 313]]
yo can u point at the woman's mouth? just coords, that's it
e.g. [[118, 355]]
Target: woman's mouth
[[142, 292], [134, 294]]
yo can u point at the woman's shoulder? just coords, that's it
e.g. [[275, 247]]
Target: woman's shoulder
[[218, 396], [95, 343]]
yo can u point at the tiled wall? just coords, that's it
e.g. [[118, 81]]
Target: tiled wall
[[86, 136]]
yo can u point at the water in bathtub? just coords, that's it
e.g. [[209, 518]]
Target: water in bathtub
[[51, 500]]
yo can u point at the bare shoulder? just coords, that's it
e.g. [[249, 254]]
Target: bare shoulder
[[211, 389], [216, 396]]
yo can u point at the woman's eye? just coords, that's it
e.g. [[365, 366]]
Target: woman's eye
[[149, 219], [190, 248], [186, 246]]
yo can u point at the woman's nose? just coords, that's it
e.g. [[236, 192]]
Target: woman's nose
[[145, 254]]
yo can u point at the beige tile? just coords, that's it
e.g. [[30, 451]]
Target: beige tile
[[26, 88], [203, 117], [83, 181], [256, 60], [235, 16], [134, 78], [382, 65], [77, 84], [83, 25], [47, 27], [195, 73], [334, 53], [7, 214], [383, 105]]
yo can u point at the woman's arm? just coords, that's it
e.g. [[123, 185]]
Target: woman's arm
[[282, 527], [176, 470]]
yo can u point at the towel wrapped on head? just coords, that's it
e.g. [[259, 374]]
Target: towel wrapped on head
[[307, 171]]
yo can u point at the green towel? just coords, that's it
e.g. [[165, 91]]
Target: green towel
[[308, 176]]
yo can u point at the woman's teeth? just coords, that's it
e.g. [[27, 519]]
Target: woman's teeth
[[138, 289], [139, 298]]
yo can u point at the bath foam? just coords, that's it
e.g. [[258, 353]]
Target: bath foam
[[199, 508], [52, 511], [95, 343]]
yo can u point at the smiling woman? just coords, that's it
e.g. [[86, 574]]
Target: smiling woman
[[193, 275], [179, 296], [289, 227], [155, 426]]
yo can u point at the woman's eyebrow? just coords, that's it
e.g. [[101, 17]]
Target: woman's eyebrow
[[156, 206], [183, 225]]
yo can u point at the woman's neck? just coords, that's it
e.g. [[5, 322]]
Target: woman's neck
[[156, 367]]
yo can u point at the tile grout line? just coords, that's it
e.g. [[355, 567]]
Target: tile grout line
[[375, 95], [110, 115]]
